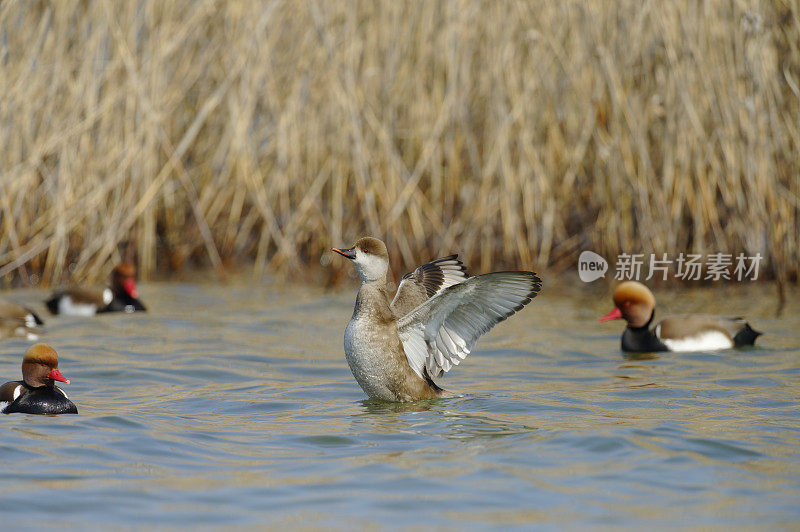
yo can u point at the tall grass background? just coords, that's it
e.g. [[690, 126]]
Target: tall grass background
[[185, 133]]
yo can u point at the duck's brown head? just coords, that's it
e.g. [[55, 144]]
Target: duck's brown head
[[123, 279], [40, 366], [634, 302], [369, 256]]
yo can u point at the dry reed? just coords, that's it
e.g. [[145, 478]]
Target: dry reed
[[515, 133]]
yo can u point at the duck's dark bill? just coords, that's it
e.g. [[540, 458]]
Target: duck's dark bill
[[350, 253]]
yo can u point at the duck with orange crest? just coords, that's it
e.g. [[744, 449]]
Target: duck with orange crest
[[635, 303], [37, 393], [121, 296]]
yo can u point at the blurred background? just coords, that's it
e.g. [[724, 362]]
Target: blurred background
[[209, 134]]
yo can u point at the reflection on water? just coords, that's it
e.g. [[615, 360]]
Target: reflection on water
[[234, 406]]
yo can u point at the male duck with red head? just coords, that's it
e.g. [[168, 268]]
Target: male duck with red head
[[120, 297], [635, 303], [37, 393]]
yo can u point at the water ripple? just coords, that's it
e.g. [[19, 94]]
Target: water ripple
[[234, 407]]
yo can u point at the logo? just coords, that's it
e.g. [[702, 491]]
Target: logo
[[591, 266], [687, 266]]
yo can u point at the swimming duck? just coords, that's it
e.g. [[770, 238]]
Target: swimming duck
[[396, 345], [37, 393], [635, 303], [120, 297], [16, 320]]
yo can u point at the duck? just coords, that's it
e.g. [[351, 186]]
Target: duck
[[37, 393], [122, 296], [396, 345], [635, 303], [16, 320]]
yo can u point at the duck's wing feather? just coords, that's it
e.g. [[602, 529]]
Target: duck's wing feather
[[426, 281], [10, 391], [695, 325], [683, 325], [442, 331], [85, 296]]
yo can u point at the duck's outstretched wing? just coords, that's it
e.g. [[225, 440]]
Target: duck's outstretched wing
[[425, 282], [442, 331]]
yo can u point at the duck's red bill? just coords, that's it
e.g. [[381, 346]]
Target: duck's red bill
[[57, 376], [613, 315], [130, 286]]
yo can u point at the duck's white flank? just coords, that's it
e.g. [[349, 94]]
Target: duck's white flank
[[706, 341], [68, 307]]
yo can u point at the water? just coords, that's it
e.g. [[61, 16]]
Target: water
[[233, 407]]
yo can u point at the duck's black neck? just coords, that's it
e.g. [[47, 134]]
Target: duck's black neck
[[642, 338], [123, 302]]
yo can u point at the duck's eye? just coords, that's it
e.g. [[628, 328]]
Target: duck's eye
[[364, 250]]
